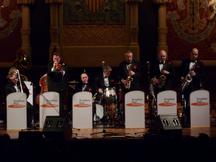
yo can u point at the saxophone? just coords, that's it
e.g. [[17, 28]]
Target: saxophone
[[129, 77], [188, 78], [159, 81]]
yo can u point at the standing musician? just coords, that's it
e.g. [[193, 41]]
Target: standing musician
[[16, 84], [192, 75], [162, 77], [57, 77], [129, 73]]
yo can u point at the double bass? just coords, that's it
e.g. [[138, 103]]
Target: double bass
[[43, 87], [43, 84]]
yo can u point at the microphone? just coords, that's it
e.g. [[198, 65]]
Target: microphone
[[148, 67]]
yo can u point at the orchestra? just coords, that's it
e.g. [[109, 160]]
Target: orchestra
[[109, 87]]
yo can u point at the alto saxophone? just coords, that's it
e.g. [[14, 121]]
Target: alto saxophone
[[188, 78], [129, 77], [128, 82]]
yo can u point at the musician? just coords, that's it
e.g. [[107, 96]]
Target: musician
[[161, 78], [105, 83], [191, 75], [162, 73], [14, 85], [84, 85], [57, 77], [104, 80], [129, 73]]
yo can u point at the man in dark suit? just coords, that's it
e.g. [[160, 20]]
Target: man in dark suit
[[192, 75], [15, 85], [162, 73], [57, 78], [129, 73], [106, 94], [84, 85], [162, 78]]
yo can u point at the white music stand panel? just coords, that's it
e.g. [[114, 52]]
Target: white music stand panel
[[167, 103], [16, 111], [135, 109], [82, 110], [49, 106], [200, 108]]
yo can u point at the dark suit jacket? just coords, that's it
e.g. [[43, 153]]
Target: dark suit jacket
[[56, 80], [170, 78], [123, 74], [197, 80], [99, 82], [79, 87], [9, 88]]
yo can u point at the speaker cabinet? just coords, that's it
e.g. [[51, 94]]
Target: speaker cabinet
[[167, 123], [56, 127]]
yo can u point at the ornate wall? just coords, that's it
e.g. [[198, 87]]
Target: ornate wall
[[96, 30], [191, 23], [10, 35]]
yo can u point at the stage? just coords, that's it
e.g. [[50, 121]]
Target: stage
[[103, 145], [98, 133]]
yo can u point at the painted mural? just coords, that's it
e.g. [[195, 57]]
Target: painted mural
[[94, 11], [191, 23], [10, 25]]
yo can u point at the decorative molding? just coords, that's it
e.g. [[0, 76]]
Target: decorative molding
[[25, 2], [162, 1], [54, 1], [134, 1]]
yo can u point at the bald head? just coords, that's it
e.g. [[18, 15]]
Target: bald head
[[194, 54], [162, 55], [129, 56]]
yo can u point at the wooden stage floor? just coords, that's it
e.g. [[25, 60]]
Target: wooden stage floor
[[98, 133]]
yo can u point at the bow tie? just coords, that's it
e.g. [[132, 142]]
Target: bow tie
[[161, 62]]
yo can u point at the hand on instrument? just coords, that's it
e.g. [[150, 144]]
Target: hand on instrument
[[100, 90], [165, 72]]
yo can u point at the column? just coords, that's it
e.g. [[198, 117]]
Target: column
[[132, 21], [162, 24], [56, 25], [25, 30]]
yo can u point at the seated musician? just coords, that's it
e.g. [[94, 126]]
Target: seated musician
[[57, 77], [15, 84], [84, 85], [105, 90], [104, 80]]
